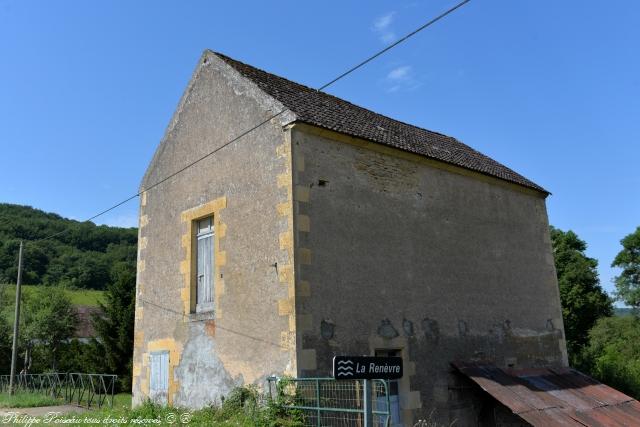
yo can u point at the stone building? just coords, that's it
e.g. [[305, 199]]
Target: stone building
[[332, 230]]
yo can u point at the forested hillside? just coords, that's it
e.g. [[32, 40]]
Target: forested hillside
[[83, 256]]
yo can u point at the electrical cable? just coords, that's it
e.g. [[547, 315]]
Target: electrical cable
[[183, 315], [246, 132]]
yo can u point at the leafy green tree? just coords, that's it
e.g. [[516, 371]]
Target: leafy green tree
[[49, 322], [5, 337], [5, 347], [76, 356], [613, 353], [115, 326], [628, 282], [583, 299], [79, 257]]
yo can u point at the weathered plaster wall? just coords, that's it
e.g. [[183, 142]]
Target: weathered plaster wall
[[398, 252], [247, 186]]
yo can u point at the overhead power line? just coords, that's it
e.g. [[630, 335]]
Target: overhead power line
[[232, 331], [248, 131]]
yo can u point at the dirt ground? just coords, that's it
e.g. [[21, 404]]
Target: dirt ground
[[42, 410]]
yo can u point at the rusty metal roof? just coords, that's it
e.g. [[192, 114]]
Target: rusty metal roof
[[554, 396]]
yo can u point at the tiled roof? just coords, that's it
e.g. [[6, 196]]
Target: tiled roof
[[329, 112]]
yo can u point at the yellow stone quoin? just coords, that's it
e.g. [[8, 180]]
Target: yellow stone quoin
[[286, 273], [175, 351]]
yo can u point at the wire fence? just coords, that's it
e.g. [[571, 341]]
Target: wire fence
[[329, 402], [76, 388]]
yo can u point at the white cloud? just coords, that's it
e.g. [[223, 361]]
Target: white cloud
[[400, 73], [382, 26], [401, 78], [383, 21]]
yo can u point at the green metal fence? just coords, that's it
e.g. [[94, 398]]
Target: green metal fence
[[52, 384], [326, 402], [88, 390]]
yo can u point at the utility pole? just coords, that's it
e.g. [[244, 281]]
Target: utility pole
[[16, 325]]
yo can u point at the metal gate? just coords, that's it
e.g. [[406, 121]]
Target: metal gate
[[326, 402]]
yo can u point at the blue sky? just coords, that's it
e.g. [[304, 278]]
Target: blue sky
[[549, 88]]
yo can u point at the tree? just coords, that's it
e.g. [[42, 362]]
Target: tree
[[5, 336], [80, 257], [613, 353], [628, 282], [51, 321], [5, 347], [583, 299], [115, 326], [76, 356]]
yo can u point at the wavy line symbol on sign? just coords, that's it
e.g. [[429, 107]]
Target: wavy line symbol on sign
[[345, 368]]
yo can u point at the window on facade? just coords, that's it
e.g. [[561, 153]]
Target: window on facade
[[204, 264]]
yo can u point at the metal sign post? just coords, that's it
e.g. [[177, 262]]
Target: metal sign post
[[367, 368]]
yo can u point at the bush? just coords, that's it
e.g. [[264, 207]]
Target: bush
[[613, 353]]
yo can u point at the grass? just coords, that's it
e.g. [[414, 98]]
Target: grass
[[121, 401], [243, 407], [240, 409], [88, 297], [27, 400], [85, 297]]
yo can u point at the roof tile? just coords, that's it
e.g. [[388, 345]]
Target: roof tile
[[329, 112]]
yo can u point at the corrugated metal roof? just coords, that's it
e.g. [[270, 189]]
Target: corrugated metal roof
[[555, 396]]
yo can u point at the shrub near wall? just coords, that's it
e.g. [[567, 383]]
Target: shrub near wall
[[613, 353]]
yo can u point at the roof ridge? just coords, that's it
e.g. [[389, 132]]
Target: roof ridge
[[328, 111], [227, 58]]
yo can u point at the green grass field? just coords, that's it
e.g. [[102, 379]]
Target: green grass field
[[121, 402], [78, 296], [27, 400]]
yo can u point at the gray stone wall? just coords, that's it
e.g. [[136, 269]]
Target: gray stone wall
[[428, 260], [392, 251], [243, 186]]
